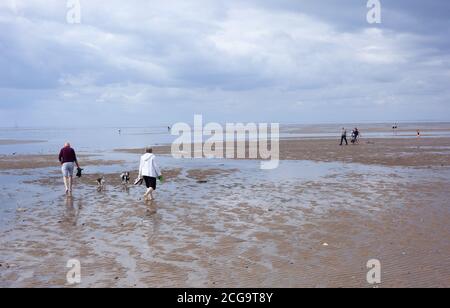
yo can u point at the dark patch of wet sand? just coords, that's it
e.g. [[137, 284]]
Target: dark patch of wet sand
[[21, 162], [202, 174], [112, 179]]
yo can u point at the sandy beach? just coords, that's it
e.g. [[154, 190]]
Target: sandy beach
[[19, 162], [406, 152], [313, 222]]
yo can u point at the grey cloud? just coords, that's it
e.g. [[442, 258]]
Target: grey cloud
[[262, 59]]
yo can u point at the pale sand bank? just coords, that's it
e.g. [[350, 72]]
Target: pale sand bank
[[407, 152], [20, 162]]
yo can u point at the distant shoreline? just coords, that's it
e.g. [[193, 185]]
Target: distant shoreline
[[388, 124]]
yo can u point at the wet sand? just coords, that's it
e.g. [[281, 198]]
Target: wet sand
[[409, 152], [111, 179], [312, 223], [20, 162], [406, 152]]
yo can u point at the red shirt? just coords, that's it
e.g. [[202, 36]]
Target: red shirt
[[67, 155]]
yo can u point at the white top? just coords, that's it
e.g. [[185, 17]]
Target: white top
[[148, 166]]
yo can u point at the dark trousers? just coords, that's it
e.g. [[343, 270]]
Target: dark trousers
[[344, 138]]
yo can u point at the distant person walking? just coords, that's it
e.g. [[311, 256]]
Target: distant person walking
[[394, 128], [68, 160], [149, 172], [344, 136]]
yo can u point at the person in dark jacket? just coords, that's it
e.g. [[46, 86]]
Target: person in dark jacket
[[68, 160], [344, 136], [355, 135]]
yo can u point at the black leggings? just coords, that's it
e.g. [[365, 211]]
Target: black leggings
[[344, 138]]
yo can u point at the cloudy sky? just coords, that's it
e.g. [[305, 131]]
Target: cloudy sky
[[143, 62]]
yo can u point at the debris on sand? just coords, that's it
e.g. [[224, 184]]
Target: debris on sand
[[7, 266]]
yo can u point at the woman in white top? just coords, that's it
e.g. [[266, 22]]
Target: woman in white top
[[149, 172]]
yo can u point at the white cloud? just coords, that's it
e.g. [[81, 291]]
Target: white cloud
[[219, 57]]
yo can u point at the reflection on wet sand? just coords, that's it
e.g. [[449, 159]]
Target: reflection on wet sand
[[72, 211], [152, 207]]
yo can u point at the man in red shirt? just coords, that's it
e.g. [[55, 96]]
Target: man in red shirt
[[68, 160]]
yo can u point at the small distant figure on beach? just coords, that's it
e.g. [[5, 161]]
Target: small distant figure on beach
[[355, 136], [119, 131], [418, 133], [394, 128], [149, 172], [344, 136], [169, 128], [68, 160]]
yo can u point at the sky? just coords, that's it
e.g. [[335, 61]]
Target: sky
[[145, 63]]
